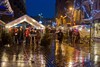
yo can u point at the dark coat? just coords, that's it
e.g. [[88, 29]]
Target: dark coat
[[60, 35]]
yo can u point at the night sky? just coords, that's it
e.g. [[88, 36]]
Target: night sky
[[46, 7]]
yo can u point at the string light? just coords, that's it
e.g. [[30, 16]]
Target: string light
[[81, 4], [6, 4], [26, 18], [84, 9], [77, 4]]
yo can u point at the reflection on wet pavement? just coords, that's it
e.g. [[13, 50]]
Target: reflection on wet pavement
[[55, 55], [70, 57], [95, 50], [17, 56]]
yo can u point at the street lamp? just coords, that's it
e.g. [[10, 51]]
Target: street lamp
[[70, 8]]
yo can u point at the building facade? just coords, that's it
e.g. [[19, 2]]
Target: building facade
[[90, 13], [89, 9], [96, 18], [62, 7], [60, 4]]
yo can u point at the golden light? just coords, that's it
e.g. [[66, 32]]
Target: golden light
[[70, 8], [56, 18], [65, 16], [61, 16], [26, 18]]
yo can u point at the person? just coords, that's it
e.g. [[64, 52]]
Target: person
[[76, 37], [20, 35], [16, 36], [38, 37], [27, 36], [13, 35], [77, 41], [60, 36], [33, 35], [70, 35]]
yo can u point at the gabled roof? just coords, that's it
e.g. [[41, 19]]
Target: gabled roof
[[26, 18]]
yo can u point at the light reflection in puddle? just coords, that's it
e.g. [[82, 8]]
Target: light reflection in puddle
[[3, 64], [4, 57]]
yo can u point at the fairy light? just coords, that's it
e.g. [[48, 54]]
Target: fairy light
[[84, 9], [93, 11], [22, 19], [9, 10]]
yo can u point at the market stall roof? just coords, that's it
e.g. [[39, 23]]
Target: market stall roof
[[22, 19], [2, 23]]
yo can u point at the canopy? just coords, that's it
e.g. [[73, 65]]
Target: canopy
[[27, 19]]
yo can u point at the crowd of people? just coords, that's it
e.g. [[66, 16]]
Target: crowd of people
[[73, 36], [27, 36], [33, 36]]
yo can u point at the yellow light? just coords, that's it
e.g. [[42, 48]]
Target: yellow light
[[70, 8], [56, 18], [65, 16], [61, 16]]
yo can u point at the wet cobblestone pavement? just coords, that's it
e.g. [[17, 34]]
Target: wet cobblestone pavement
[[56, 55]]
